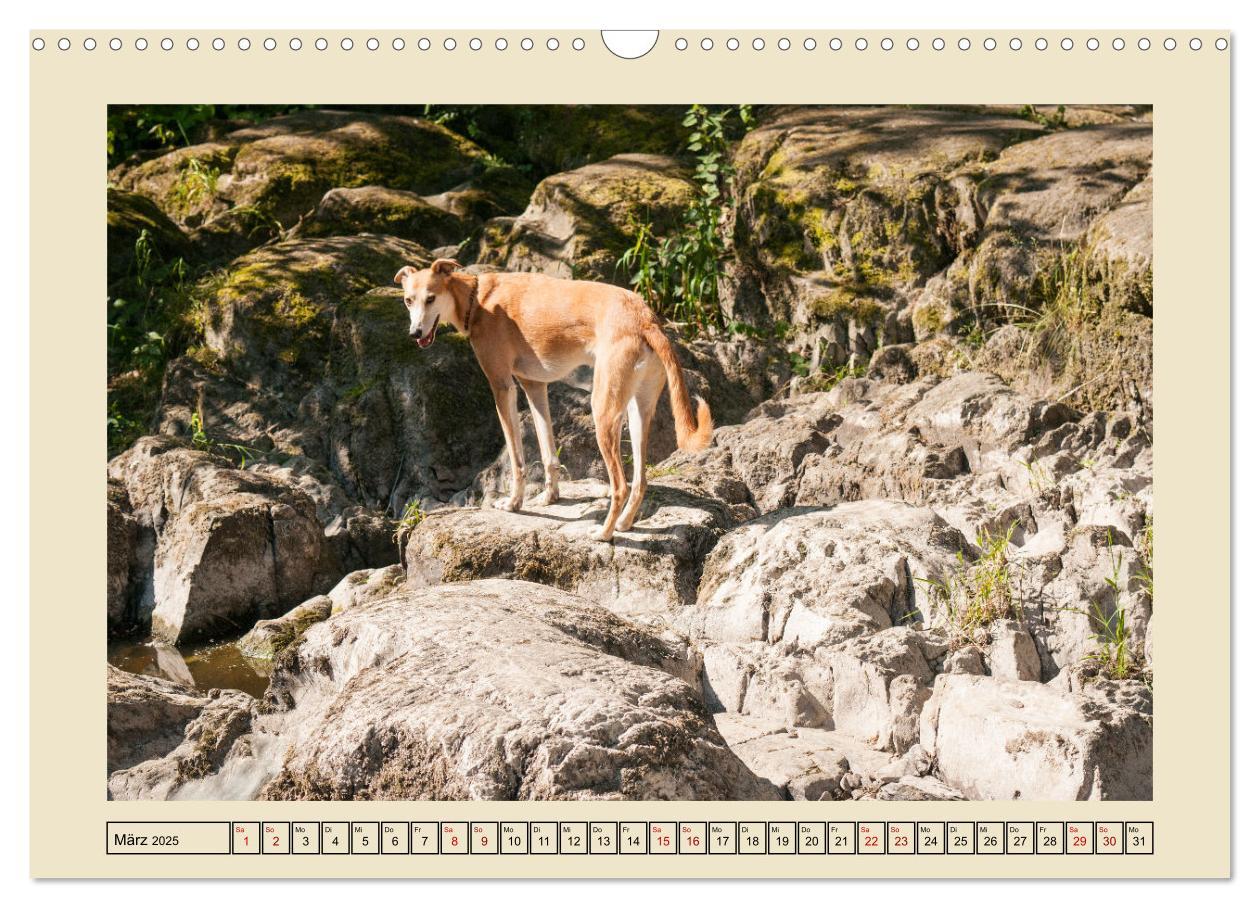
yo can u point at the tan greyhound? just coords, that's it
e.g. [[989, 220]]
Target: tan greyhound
[[537, 329]]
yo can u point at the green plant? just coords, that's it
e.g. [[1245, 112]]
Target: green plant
[[1113, 656], [979, 592], [678, 274], [197, 181], [412, 516], [1057, 120], [1038, 476], [203, 442], [1146, 553]]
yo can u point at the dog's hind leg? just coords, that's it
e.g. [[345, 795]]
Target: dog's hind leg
[[536, 394], [639, 413], [610, 391], [505, 404]]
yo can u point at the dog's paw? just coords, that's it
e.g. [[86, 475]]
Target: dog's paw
[[508, 503], [545, 497], [601, 535], [625, 523]]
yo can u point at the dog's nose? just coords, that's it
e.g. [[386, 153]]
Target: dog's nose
[[416, 334]]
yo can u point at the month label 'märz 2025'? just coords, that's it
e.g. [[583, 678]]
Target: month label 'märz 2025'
[[572, 838]]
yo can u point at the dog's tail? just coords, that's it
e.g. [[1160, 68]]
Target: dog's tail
[[693, 429]]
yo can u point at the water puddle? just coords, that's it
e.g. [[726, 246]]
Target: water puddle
[[203, 667]]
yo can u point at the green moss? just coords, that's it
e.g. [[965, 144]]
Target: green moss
[[928, 319], [850, 303]]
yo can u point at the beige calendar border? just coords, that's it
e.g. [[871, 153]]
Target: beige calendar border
[[1191, 93]]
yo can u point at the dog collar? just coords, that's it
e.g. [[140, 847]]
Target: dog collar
[[472, 304]]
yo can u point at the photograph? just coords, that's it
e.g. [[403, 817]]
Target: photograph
[[696, 452]]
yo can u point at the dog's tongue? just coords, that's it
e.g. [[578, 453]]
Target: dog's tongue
[[423, 342]]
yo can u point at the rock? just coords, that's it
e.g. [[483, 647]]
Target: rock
[[880, 683], [553, 137], [981, 413], [496, 690], [915, 788], [269, 637], [795, 611], [806, 578], [121, 557], [865, 439], [1012, 653], [376, 209], [128, 217], [966, 660], [1095, 575], [1019, 740], [648, 573], [892, 364], [1051, 189], [226, 545], [145, 716], [283, 166], [804, 771], [759, 680], [578, 223], [269, 318], [308, 360], [365, 585], [840, 207], [207, 740]]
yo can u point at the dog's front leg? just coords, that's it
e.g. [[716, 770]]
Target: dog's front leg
[[505, 403], [536, 394]]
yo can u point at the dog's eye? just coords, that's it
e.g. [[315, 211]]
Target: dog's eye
[[430, 298]]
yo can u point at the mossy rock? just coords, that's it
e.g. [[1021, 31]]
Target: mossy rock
[[184, 183], [551, 138], [856, 200], [494, 193], [282, 167], [128, 216], [376, 209], [1051, 189], [580, 222], [404, 423], [269, 314]]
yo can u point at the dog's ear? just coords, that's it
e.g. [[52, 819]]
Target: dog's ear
[[444, 266], [403, 272]]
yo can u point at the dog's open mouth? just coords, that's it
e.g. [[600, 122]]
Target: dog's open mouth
[[423, 342]]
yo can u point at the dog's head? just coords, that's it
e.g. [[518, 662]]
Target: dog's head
[[427, 294]]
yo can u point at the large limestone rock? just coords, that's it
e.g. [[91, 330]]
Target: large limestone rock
[[270, 637], [377, 209], [496, 690], [269, 318], [1019, 740], [806, 578], [839, 208], [248, 185], [880, 683], [145, 716], [578, 223], [308, 356], [208, 737], [223, 546], [649, 573]]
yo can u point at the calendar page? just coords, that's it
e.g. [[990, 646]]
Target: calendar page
[[620, 454]]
